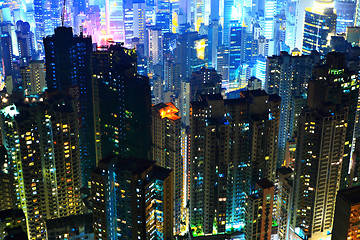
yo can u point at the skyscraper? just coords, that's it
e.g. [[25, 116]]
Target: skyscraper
[[325, 133], [288, 77], [237, 50], [235, 129], [205, 81], [68, 68], [123, 127], [114, 14], [282, 202], [320, 24], [345, 11], [41, 137], [26, 42], [347, 215], [132, 199], [259, 211], [33, 77], [166, 138]]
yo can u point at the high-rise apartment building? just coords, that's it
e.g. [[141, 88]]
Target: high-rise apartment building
[[347, 214], [132, 199], [282, 202], [41, 136], [7, 184], [320, 24], [122, 127], [233, 144], [325, 133], [68, 68], [288, 77], [12, 220], [166, 152], [259, 211], [204, 81]]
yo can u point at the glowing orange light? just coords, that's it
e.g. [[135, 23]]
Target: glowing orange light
[[169, 112]]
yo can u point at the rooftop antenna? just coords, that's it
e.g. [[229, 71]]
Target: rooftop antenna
[[63, 14]]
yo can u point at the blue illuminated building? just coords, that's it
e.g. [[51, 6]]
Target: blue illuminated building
[[237, 49], [345, 12], [68, 68], [131, 199]]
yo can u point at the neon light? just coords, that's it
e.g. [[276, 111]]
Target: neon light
[[10, 111], [336, 71], [169, 112]]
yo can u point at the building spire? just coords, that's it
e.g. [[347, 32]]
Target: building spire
[[63, 14]]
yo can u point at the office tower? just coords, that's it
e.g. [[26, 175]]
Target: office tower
[[347, 215], [202, 9], [92, 26], [114, 14], [269, 18], [345, 12], [68, 68], [235, 129], [166, 139], [290, 14], [288, 77], [187, 53], [6, 53], [76, 226], [163, 17], [123, 127], [214, 42], [128, 26], [283, 198], [10, 220], [26, 41], [132, 199], [237, 50], [33, 77], [155, 47], [39, 22], [227, 16], [319, 25], [205, 81], [52, 11], [260, 68], [324, 139], [139, 21], [223, 62], [259, 211], [42, 138]]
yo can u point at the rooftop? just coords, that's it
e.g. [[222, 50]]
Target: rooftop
[[265, 183]]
